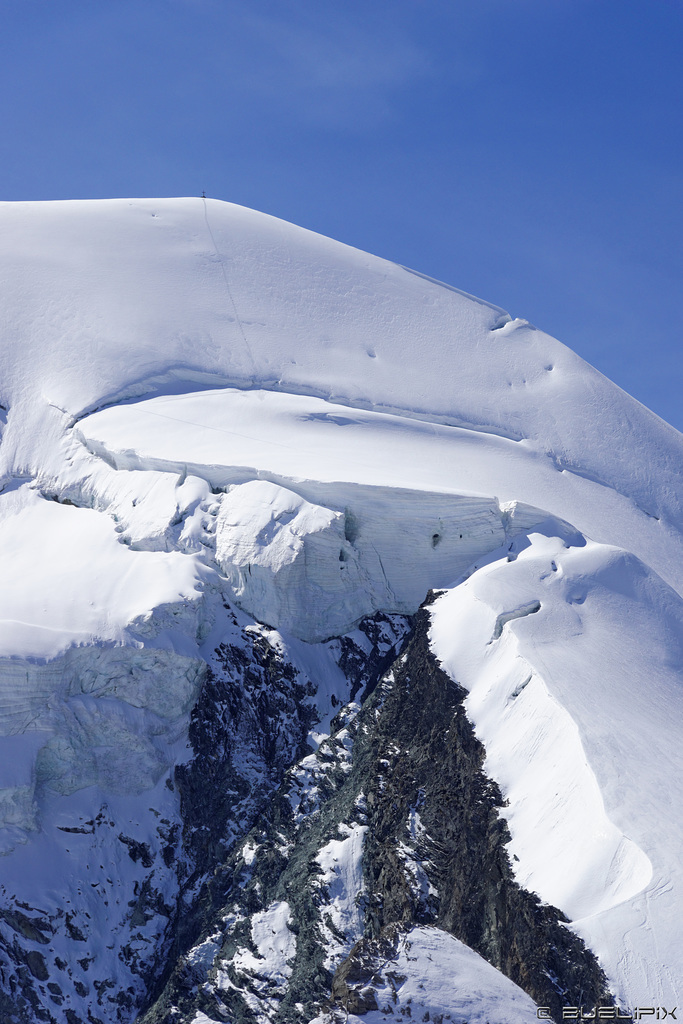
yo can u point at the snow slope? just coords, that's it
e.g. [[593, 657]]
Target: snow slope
[[572, 655], [435, 976], [203, 404]]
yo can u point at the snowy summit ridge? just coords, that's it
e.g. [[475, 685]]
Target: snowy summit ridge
[[235, 457]]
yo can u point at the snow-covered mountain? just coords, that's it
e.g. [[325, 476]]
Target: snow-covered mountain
[[341, 640]]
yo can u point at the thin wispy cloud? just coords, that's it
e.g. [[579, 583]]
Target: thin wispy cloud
[[333, 71], [335, 67]]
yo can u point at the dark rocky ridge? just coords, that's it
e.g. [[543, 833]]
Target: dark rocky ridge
[[252, 702], [231, 886], [422, 753], [414, 751]]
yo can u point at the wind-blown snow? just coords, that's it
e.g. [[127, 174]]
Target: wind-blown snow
[[578, 705], [104, 300], [201, 404], [434, 976]]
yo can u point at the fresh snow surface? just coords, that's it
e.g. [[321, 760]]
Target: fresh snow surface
[[573, 656], [435, 974], [202, 404], [342, 878], [274, 944], [106, 300], [68, 580]]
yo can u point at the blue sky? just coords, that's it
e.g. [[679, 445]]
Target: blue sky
[[528, 151]]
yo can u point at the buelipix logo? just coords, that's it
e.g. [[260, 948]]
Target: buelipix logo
[[609, 1013]]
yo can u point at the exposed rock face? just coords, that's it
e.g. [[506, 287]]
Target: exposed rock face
[[389, 825], [147, 861], [248, 726], [288, 881], [276, 863], [435, 851]]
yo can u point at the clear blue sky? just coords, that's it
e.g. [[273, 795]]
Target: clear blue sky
[[528, 151]]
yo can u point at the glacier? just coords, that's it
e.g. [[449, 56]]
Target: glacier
[[261, 494]]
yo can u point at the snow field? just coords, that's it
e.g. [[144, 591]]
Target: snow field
[[576, 705], [274, 942], [53, 599], [108, 299], [77, 876], [266, 970]]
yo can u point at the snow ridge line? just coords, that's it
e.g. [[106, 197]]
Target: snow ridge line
[[504, 315]]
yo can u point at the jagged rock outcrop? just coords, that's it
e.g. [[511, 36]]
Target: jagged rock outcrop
[[435, 850], [390, 825]]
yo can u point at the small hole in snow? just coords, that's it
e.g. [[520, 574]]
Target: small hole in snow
[[436, 537]]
